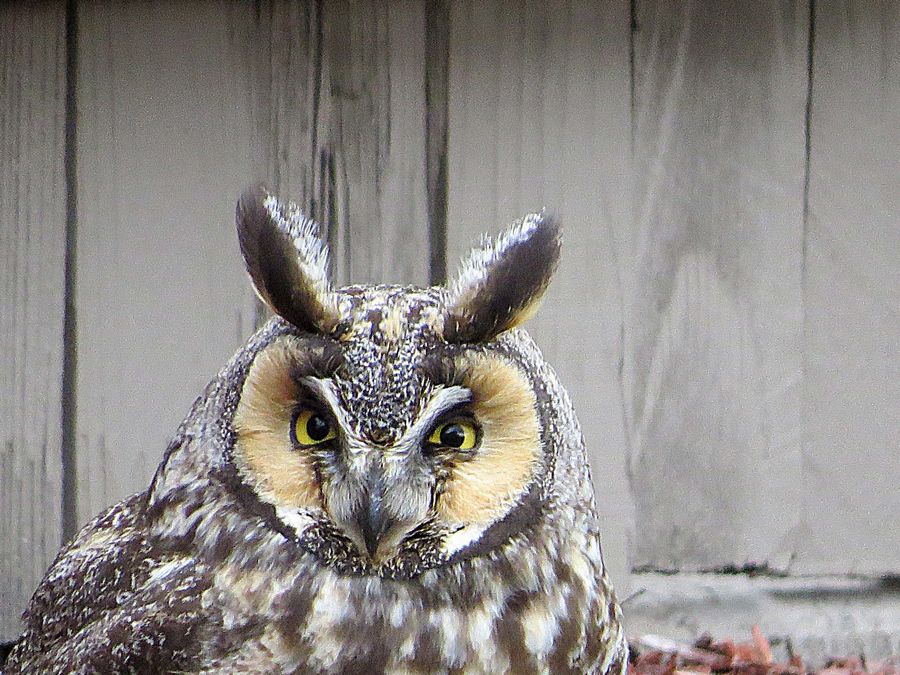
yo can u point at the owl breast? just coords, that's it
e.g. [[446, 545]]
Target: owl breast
[[529, 610]]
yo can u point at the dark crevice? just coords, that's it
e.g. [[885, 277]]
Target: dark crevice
[[5, 649], [316, 105], [804, 225], [632, 35], [327, 201], [617, 266], [70, 353], [747, 569], [437, 64], [807, 122]]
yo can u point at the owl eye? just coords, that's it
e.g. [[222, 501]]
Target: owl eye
[[459, 434], [311, 428]]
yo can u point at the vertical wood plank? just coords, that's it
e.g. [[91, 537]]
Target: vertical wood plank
[[851, 457], [539, 115], [713, 304], [162, 299], [377, 62], [437, 72], [32, 288], [337, 100], [179, 109]]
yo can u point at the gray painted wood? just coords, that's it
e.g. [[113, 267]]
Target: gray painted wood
[[539, 115], [162, 298], [376, 54], [337, 101], [851, 454], [32, 287], [180, 108], [712, 272], [437, 85]]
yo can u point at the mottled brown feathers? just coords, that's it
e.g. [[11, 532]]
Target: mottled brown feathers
[[286, 261], [382, 546], [499, 286]]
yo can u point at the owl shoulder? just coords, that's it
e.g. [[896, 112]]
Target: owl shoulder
[[109, 599]]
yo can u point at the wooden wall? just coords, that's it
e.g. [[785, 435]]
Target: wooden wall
[[726, 314], [32, 297], [714, 318]]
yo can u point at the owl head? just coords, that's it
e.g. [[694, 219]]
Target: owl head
[[387, 430]]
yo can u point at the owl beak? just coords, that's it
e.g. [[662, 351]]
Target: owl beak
[[371, 518]]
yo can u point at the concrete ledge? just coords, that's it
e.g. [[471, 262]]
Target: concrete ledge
[[816, 617]]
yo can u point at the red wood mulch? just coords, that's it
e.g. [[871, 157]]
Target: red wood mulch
[[652, 655]]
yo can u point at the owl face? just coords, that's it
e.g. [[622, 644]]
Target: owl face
[[390, 430]]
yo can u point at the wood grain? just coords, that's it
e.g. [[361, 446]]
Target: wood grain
[[539, 116], [851, 454], [712, 276], [180, 108], [162, 298], [337, 100], [32, 288], [437, 85]]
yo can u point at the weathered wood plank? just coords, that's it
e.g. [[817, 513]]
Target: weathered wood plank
[[851, 457], [337, 99], [376, 56], [179, 108], [713, 302], [32, 288], [162, 299], [539, 115], [437, 85]]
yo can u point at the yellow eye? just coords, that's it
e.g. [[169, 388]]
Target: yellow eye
[[311, 428], [458, 434]]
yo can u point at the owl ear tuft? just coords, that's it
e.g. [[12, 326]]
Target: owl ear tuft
[[287, 261], [500, 284]]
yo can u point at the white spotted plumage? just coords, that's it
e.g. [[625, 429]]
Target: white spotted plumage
[[376, 556]]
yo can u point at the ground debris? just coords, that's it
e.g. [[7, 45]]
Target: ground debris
[[654, 655]]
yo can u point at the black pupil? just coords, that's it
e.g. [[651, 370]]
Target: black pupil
[[317, 427], [453, 436]]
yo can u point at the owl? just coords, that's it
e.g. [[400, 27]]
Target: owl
[[384, 479]]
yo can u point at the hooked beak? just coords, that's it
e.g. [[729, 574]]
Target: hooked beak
[[373, 521]]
